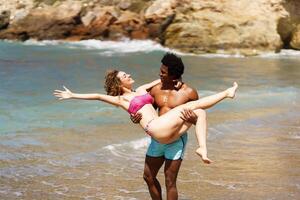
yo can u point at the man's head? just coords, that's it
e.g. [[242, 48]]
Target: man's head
[[172, 67]]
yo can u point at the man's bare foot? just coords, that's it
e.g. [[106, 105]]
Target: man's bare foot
[[203, 154], [231, 91]]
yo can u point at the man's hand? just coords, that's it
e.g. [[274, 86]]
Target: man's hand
[[189, 116], [178, 83], [136, 118]]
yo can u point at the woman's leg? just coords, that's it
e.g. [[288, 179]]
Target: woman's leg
[[209, 101], [201, 135], [170, 126]]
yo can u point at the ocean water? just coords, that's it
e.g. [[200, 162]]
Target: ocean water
[[54, 149]]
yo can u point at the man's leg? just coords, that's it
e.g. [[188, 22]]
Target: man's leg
[[152, 166], [174, 154], [171, 171]]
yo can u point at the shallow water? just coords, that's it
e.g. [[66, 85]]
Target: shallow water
[[90, 150]]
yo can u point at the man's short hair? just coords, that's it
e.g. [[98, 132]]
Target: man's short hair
[[174, 64]]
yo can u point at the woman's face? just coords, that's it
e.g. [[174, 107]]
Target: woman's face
[[125, 79]]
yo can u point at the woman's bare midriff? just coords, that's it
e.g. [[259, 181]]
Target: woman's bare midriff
[[148, 113]]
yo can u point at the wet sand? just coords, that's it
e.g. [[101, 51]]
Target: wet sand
[[255, 162]]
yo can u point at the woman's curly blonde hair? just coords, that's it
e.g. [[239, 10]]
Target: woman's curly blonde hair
[[113, 83]]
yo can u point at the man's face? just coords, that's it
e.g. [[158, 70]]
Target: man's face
[[164, 74]]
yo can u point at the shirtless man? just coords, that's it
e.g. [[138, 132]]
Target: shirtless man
[[168, 95]]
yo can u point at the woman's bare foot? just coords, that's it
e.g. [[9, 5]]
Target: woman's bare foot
[[203, 154], [231, 91]]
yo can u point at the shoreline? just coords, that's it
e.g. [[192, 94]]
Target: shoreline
[[127, 45]]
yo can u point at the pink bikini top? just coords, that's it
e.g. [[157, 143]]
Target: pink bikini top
[[138, 102]]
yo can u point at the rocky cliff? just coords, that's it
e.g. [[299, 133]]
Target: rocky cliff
[[198, 26]]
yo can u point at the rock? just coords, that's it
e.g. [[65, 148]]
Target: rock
[[158, 17], [14, 6], [198, 26], [214, 26], [99, 11], [96, 23], [287, 25], [154, 30], [136, 6], [19, 14], [123, 5], [160, 9], [46, 23], [107, 2], [295, 40], [4, 19], [140, 34], [88, 18], [128, 17], [68, 9], [127, 25], [91, 4], [100, 26], [116, 32], [20, 6]]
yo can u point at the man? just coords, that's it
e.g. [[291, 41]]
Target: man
[[167, 95]]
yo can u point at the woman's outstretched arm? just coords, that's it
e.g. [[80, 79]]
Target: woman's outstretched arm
[[67, 94], [148, 85]]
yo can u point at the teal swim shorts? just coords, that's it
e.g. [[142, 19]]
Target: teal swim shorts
[[172, 151]]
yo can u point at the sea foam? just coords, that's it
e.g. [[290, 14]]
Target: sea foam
[[125, 46], [284, 53], [134, 144], [128, 150]]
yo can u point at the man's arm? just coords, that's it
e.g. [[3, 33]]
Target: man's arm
[[148, 85], [193, 94], [136, 118], [189, 115]]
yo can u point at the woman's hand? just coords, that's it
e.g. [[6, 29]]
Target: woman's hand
[[62, 95]]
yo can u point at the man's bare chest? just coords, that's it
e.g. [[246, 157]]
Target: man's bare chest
[[170, 98]]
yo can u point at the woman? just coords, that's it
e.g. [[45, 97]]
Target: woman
[[166, 128]]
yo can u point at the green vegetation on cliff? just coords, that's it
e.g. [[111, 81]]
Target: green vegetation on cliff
[[47, 2]]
